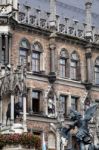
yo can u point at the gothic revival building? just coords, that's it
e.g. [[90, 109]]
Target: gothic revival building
[[59, 58]]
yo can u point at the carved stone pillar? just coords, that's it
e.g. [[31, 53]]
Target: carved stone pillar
[[24, 113], [52, 46], [0, 48], [6, 49], [89, 65], [69, 103], [58, 139], [88, 8], [30, 100], [12, 108], [10, 50]]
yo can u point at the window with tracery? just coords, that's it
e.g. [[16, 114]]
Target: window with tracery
[[64, 65], [36, 57], [96, 71], [75, 67], [24, 52]]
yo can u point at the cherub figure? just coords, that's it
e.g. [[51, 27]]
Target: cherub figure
[[81, 122]]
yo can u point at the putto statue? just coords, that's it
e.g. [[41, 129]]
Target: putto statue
[[83, 136]]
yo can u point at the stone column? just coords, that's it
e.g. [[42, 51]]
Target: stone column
[[52, 58], [6, 49], [89, 64], [12, 108], [24, 113], [0, 110], [58, 138], [30, 100], [53, 9], [69, 103], [0, 48], [10, 50]]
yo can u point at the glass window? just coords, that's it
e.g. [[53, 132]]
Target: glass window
[[3, 56], [24, 49], [74, 101], [96, 74], [63, 63], [73, 70], [36, 101], [63, 67], [23, 56], [63, 100], [36, 61]]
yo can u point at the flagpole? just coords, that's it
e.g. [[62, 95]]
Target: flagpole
[[43, 142]]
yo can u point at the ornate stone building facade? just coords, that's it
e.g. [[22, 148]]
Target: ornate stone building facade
[[61, 63]]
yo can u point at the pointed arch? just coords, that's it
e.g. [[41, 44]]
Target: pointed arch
[[37, 57], [24, 52]]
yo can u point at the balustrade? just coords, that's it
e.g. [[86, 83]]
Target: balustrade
[[40, 19]]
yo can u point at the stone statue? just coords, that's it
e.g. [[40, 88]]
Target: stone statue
[[17, 109], [81, 122]]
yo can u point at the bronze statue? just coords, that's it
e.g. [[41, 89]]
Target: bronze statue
[[81, 122]]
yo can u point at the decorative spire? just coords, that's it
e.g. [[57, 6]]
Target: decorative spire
[[88, 18], [52, 13]]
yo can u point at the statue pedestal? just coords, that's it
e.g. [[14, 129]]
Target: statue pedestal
[[15, 147], [16, 128]]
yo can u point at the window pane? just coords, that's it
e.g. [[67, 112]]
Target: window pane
[[36, 101], [24, 44], [35, 94], [23, 55], [62, 67], [36, 61], [97, 75], [63, 104], [73, 70], [3, 56], [74, 103]]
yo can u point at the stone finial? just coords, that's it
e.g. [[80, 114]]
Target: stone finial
[[88, 18], [52, 13], [88, 1]]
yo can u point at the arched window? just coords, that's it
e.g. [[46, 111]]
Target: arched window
[[24, 51], [96, 71], [64, 65], [51, 141], [36, 57], [75, 67]]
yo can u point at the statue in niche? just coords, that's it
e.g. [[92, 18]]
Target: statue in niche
[[83, 136], [51, 104]]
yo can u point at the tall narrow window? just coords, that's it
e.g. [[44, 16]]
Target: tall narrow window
[[63, 100], [36, 57], [74, 103], [24, 51], [96, 71], [64, 66], [36, 101], [75, 67]]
